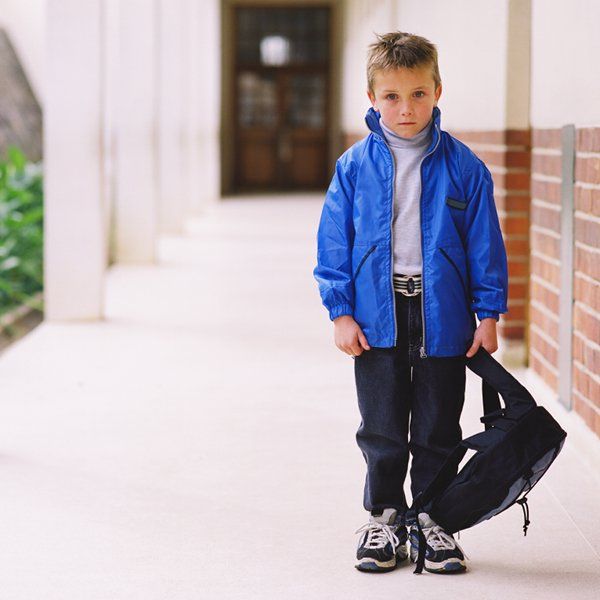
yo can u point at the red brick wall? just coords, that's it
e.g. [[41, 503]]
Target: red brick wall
[[545, 254], [586, 284], [545, 280]]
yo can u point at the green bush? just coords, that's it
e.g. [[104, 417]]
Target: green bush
[[21, 231]]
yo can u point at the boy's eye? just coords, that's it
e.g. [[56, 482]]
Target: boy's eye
[[395, 96]]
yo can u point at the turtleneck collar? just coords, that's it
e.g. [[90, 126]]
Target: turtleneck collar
[[372, 120], [420, 139]]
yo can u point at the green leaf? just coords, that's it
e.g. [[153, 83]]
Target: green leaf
[[21, 229]]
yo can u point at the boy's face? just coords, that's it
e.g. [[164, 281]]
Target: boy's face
[[405, 98]]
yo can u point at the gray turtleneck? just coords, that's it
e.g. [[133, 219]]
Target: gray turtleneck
[[408, 153]]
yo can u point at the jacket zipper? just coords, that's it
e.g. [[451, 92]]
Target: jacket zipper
[[360, 264], [422, 352], [392, 239]]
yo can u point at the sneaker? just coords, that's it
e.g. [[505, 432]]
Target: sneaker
[[442, 554], [383, 543]]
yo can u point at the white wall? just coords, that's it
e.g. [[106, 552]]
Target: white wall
[[363, 19], [24, 22], [471, 38], [565, 51], [497, 71]]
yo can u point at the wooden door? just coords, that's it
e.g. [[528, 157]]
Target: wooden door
[[281, 98]]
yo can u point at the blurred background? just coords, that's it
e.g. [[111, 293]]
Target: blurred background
[[162, 170]]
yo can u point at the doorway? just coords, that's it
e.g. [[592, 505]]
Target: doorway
[[281, 95]]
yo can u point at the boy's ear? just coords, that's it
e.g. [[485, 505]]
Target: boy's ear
[[372, 99]]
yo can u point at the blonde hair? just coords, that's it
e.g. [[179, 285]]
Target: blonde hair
[[400, 49]]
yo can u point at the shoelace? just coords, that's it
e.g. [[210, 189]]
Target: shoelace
[[379, 534], [438, 539]]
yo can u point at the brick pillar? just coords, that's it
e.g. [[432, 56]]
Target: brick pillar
[[586, 283], [545, 254], [545, 267]]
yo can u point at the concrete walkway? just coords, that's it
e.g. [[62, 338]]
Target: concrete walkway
[[199, 443]]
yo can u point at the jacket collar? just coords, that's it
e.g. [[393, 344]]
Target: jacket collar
[[373, 116]]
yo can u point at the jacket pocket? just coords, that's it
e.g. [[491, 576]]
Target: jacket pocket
[[362, 260], [461, 204], [460, 277]]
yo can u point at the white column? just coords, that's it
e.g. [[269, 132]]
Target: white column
[[74, 232], [203, 99], [109, 116], [191, 91], [210, 105], [171, 117], [136, 191]]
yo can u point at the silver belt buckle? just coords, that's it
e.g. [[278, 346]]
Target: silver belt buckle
[[411, 288]]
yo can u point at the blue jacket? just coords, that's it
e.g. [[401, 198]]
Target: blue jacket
[[464, 258]]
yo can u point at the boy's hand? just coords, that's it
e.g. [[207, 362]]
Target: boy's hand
[[485, 335], [349, 337]]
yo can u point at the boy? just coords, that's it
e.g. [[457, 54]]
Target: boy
[[409, 250]]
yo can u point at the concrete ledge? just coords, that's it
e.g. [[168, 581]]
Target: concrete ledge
[[17, 322]]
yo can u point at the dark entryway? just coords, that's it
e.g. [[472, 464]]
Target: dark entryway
[[281, 98]]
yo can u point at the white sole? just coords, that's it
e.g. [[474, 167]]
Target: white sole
[[388, 564], [381, 564]]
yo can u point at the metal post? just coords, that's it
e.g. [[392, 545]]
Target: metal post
[[565, 327]]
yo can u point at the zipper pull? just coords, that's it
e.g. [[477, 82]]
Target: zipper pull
[[422, 352]]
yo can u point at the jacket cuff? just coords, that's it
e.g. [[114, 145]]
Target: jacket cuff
[[486, 314], [339, 310]]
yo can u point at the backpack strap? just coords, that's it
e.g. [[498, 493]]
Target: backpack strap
[[443, 477], [491, 403], [497, 380]]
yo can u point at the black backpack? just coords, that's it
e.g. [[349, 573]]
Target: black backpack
[[518, 445]]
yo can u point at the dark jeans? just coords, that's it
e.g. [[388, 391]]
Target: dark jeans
[[393, 383]]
